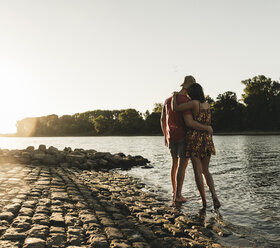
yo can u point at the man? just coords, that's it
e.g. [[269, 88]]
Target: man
[[173, 126]]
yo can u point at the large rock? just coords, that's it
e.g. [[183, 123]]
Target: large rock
[[75, 156], [38, 155], [52, 150], [34, 243], [49, 159], [42, 148]]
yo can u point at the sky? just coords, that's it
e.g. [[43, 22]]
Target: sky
[[65, 56]]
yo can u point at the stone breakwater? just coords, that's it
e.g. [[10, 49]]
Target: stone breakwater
[[80, 158], [65, 206]]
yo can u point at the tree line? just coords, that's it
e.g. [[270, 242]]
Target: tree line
[[258, 110]]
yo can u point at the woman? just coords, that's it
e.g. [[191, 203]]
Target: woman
[[200, 145]]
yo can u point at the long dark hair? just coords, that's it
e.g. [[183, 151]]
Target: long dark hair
[[195, 91]]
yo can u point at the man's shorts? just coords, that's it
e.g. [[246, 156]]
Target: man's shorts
[[178, 149]]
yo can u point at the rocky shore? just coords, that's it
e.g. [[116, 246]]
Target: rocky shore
[[79, 158], [68, 200]]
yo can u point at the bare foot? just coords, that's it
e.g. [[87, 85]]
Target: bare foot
[[180, 199], [216, 202], [173, 197], [204, 204]]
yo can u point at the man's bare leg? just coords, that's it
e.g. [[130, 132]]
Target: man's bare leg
[[183, 163], [173, 176]]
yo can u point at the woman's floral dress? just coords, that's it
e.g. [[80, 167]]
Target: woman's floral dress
[[200, 143]]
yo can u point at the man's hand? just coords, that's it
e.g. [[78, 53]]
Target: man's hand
[[209, 130]]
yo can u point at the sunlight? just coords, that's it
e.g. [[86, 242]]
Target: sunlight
[[8, 123]]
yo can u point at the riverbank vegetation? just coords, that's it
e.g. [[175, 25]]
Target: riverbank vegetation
[[258, 110]]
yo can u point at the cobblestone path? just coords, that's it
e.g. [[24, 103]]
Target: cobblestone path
[[43, 206]]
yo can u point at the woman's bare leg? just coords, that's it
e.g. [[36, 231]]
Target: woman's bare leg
[[197, 167], [209, 180]]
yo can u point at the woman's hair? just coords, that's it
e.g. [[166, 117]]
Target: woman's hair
[[195, 91]]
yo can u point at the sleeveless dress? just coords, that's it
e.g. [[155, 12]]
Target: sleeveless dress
[[200, 143]]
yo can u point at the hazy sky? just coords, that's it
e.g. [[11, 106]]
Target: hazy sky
[[64, 56]]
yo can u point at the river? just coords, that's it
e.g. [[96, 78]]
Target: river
[[246, 173]]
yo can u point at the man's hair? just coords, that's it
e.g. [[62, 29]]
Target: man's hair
[[195, 91]]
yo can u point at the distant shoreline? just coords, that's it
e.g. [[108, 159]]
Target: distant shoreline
[[253, 133], [257, 133]]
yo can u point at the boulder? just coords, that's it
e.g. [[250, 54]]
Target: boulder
[[67, 149], [42, 148], [38, 155], [49, 159], [75, 156], [52, 150], [30, 148]]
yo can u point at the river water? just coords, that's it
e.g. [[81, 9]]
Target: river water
[[246, 173]]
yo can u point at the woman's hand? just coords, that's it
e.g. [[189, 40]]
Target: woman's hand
[[210, 130]]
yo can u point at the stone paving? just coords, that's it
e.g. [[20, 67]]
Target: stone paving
[[60, 206]]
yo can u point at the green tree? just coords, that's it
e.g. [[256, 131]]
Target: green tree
[[158, 107], [262, 99], [227, 113], [152, 123], [131, 122], [105, 122]]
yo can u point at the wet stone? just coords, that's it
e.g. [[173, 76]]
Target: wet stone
[[60, 196], [41, 219], [57, 239], [39, 231], [22, 223], [29, 204], [107, 222], [14, 234], [113, 233], [98, 241], [9, 244], [147, 232], [132, 235], [57, 203], [3, 229], [26, 212], [14, 208], [57, 219], [174, 230], [75, 230], [34, 243], [56, 208], [42, 210], [6, 216], [88, 218], [75, 236], [159, 231], [140, 245], [55, 229], [44, 202], [74, 240], [72, 220], [119, 244], [123, 223]]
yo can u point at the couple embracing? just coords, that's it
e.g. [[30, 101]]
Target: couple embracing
[[185, 122]]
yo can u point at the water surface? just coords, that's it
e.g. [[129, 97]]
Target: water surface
[[245, 170]]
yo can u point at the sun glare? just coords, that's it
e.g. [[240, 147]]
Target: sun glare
[[8, 122]]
